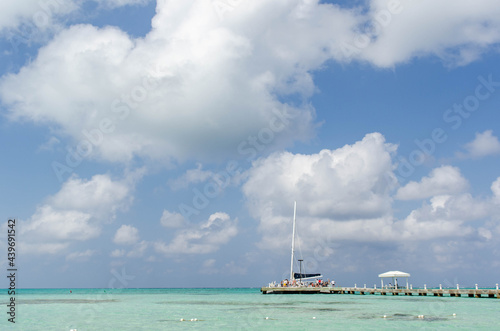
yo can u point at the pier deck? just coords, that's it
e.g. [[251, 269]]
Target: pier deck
[[471, 293]]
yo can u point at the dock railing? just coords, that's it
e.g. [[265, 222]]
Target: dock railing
[[410, 291]]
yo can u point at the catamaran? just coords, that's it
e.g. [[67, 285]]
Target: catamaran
[[294, 276]]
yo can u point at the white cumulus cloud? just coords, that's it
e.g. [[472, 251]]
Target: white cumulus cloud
[[457, 31], [200, 84], [347, 195], [340, 189], [172, 220], [331, 183], [126, 235], [75, 213], [39, 14], [495, 188], [442, 180], [484, 144], [203, 238], [192, 176], [100, 196]]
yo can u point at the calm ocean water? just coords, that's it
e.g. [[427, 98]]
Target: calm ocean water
[[240, 309]]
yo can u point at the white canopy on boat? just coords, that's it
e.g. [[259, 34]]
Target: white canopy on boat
[[394, 275]]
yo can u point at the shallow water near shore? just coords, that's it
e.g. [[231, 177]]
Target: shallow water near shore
[[240, 309]]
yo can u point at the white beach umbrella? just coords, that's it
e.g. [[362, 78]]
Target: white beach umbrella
[[394, 275]]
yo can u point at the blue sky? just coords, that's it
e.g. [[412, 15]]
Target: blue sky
[[162, 144]]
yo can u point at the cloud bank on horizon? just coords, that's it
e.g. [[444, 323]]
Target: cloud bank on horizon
[[219, 95]]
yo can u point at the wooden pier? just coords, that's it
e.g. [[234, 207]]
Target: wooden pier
[[471, 293]]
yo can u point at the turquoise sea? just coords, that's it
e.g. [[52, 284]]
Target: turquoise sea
[[240, 309]]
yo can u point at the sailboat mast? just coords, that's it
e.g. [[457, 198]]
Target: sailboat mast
[[293, 240]]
